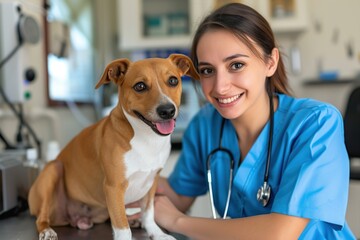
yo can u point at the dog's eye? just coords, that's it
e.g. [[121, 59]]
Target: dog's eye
[[140, 86], [173, 81]]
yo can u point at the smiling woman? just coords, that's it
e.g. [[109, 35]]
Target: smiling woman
[[274, 141]]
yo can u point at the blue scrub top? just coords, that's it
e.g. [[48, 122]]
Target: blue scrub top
[[309, 169]]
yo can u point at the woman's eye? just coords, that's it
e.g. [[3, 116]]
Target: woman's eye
[[236, 66], [206, 71], [173, 81], [140, 87]]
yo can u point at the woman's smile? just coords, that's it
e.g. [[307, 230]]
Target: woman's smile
[[229, 100]]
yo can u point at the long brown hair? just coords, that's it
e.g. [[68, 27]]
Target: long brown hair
[[249, 26]]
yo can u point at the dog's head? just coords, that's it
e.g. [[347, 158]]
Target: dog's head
[[150, 89]]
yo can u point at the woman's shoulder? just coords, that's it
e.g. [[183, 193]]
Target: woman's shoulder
[[306, 107], [305, 114]]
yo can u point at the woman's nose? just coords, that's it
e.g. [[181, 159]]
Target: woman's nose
[[222, 82]]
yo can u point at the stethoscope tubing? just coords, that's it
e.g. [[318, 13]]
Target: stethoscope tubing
[[270, 140], [209, 179], [212, 198], [265, 191]]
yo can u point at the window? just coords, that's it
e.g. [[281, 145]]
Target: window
[[70, 39]]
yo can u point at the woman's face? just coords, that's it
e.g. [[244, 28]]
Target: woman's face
[[231, 75]]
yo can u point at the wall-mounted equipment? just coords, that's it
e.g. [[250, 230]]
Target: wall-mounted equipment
[[18, 31]]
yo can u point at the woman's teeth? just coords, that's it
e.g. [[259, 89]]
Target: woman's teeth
[[228, 100]]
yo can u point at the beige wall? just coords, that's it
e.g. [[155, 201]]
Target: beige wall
[[332, 25]]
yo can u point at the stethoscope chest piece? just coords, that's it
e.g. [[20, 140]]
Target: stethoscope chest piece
[[263, 194]]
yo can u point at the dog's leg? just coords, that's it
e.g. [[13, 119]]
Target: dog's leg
[[115, 199], [41, 198], [148, 221]]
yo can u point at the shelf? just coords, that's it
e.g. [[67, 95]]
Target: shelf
[[149, 24], [152, 24], [158, 42], [293, 16], [314, 82]]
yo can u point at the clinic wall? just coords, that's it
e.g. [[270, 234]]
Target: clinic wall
[[331, 42]]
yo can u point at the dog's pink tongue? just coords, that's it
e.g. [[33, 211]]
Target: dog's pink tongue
[[166, 127]]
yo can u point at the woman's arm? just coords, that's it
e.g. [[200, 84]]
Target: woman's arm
[[268, 226], [182, 203]]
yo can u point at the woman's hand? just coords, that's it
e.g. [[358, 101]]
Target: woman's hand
[[166, 214]]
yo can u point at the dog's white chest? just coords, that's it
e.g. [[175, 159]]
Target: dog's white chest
[[148, 154], [142, 164]]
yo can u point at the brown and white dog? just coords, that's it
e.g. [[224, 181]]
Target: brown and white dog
[[117, 160]]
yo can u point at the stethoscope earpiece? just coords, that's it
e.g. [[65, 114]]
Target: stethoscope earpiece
[[263, 194]]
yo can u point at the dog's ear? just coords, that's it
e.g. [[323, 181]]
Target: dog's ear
[[185, 65], [114, 71]]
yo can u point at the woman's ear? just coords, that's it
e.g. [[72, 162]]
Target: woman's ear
[[273, 62]]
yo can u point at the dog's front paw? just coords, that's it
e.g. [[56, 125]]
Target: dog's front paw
[[162, 237], [122, 234], [48, 234]]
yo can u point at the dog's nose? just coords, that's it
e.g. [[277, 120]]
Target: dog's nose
[[166, 111]]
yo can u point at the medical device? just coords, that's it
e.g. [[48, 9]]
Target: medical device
[[19, 32], [264, 192], [11, 179]]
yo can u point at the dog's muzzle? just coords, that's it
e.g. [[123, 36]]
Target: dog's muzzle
[[166, 125]]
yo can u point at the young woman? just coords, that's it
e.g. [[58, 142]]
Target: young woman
[[290, 166]]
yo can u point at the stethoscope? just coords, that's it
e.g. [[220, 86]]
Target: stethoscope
[[264, 192]]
